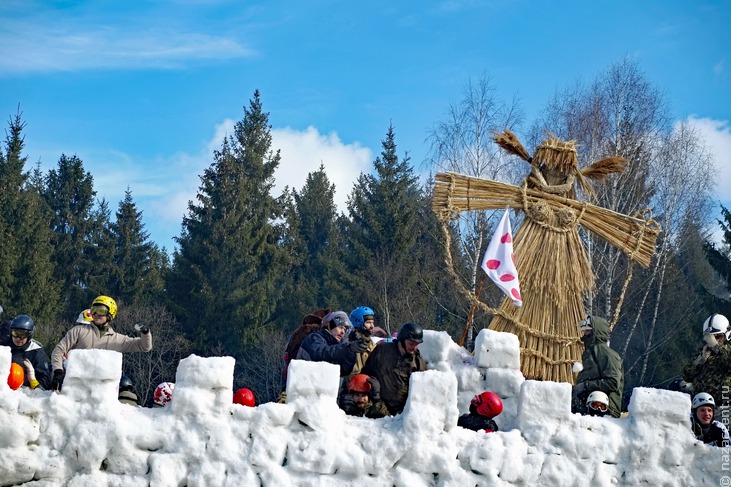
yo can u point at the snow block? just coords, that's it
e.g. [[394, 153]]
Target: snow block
[[504, 382], [543, 403], [206, 373], [312, 379], [661, 405], [432, 395], [6, 357], [203, 384], [93, 372], [436, 346], [497, 349]]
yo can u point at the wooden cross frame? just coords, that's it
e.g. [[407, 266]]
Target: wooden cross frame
[[553, 265]]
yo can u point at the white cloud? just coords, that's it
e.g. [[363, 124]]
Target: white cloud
[[70, 47], [718, 68], [717, 136], [303, 152]]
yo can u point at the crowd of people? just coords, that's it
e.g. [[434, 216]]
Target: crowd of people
[[375, 369]]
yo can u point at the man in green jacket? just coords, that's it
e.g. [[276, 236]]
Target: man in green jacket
[[603, 369], [393, 362]]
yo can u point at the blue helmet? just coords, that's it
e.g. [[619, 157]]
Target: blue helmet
[[360, 314], [23, 322]]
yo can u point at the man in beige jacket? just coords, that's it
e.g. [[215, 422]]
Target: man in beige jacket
[[98, 334]]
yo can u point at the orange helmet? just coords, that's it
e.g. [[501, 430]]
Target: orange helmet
[[359, 383], [16, 376], [245, 397]]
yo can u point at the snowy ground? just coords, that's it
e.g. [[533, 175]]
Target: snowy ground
[[85, 437]]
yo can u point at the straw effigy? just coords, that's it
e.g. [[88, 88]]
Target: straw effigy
[[553, 265]]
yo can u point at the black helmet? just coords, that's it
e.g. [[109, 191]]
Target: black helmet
[[23, 322], [411, 331], [125, 384]]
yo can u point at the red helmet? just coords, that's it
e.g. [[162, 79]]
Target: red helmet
[[245, 397], [359, 383], [16, 376], [488, 404]]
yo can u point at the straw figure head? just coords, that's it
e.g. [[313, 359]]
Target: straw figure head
[[555, 165]]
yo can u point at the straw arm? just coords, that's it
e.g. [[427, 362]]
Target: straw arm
[[634, 236]]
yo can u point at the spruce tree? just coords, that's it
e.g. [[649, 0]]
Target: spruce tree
[[99, 269], [137, 278], [228, 269], [70, 195], [382, 236], [26, 270], [318, 278]]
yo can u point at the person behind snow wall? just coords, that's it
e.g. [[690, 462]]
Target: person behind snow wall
[[483, 408], [362, 397], [127, 393], [97, 334], [363, 319], [28, 353], [602, 367], [393, 362], [710, 370], [327, 344], [705, 428]]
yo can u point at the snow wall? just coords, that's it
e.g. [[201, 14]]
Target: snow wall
[[85, 437]]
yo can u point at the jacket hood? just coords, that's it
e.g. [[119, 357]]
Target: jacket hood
[[600, 330]]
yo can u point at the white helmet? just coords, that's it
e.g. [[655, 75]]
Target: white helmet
[[715, 325], [703, 399], [585, 324], [597, 396], [85, 317]]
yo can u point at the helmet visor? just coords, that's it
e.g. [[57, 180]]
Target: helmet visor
[[18, 333], [599, 406], [99, 310]]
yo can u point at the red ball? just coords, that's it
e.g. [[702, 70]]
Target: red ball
[[245, 397], [16, 376]]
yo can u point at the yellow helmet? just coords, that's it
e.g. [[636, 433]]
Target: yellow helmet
[[109, 303]]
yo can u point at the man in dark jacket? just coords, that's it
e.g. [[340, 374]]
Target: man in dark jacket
[[327, 345], [29, 353], [603, 369], [393, 362]]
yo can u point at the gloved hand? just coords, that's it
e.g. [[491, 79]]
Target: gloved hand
[[710, 340], [375, 393], [358, 346], [57, 380], [30, 371], [703, 356], [142, 328], [579, 388]]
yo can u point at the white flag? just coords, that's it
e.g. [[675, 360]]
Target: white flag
[[499, 262]]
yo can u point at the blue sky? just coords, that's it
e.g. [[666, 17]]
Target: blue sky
[[143, 91]]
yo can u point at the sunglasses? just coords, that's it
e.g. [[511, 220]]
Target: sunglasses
[[19, 333], [598, 406], [99, 310]]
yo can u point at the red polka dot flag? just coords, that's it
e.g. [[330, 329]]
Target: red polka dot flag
[[499, 261]]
